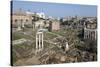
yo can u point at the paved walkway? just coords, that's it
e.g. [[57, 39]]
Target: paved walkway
[[19, 41]]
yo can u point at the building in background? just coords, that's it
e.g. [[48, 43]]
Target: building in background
[[26, 17], [54, 25], [90, 29]]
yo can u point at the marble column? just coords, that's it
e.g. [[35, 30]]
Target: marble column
[[36, 42], [95, 34], [84, 34], [42, 41], [88, 35], [39, 41], [91, 36]]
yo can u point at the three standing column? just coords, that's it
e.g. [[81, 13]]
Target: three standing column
[[39, 41]]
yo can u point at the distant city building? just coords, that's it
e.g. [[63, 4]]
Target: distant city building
[[41, 15], [19, 19]]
